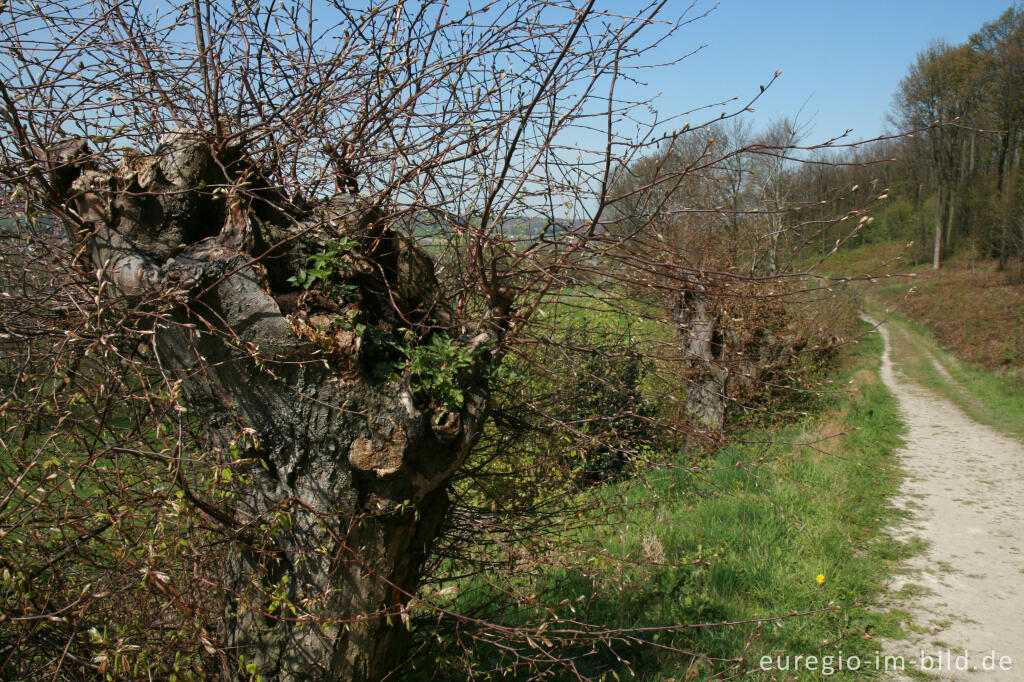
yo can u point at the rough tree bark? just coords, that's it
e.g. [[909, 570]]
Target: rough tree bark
[[703, 343], [341, 467], [733, 352]]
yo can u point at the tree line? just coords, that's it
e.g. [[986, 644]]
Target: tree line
[[954, 181]]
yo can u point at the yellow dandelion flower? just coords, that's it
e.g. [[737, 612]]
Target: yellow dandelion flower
[[820, 579]]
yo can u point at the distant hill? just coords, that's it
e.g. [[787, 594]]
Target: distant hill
[[427, 225]]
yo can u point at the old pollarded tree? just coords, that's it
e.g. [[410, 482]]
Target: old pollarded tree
[[347, 456], [222, 308]]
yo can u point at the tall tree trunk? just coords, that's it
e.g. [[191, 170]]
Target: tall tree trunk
[[938, 229], [773, 244], [1001, 179], [920, 251], [970, 167], [340, 478], [950, 217]]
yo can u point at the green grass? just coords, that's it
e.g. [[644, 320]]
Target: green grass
[[989, 330], [875, 259], [993, 398], [808, 512], [742, 542]]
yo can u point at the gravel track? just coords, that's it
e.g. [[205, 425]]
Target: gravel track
[[965, 493]]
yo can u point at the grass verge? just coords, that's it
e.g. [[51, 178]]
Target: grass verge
[[993, 398], [776, 549], [776, 516], [971, 308]]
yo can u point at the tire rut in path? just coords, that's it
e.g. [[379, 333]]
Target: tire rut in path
[[965, 490]]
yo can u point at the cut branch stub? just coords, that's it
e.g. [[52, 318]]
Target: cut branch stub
[[210, 234]]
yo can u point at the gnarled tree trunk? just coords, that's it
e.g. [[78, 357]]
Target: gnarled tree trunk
[[698, 328], [340, 461]]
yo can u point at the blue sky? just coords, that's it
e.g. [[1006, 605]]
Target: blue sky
[[841, 61]]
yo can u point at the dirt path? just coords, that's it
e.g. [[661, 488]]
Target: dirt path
[[965, 491]]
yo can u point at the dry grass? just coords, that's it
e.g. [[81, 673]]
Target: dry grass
[[972, 309], [978, 314]]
